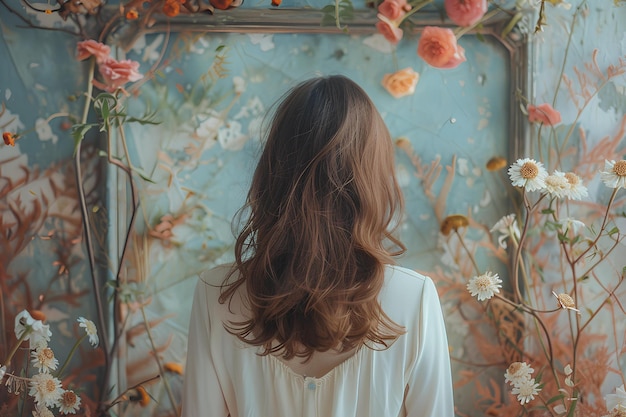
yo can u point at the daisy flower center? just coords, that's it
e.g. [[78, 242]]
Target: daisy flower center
[[50, 386], [529, 170], [526, 390], [483, 282], [572, 178], [46, 355], [620, 168], [69, 398], [514, 368]]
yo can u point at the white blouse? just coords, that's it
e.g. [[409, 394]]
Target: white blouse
[[226, 377]]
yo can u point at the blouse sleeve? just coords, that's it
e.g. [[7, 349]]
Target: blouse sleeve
[[202, 395], [429, 392]]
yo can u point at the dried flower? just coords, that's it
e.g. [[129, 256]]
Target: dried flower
[[507, 227], [614, 174], [484, 286], [69, 402], [526, 390], [617, 400], [566, 301], [90, 329], [518, 372], [543, 113], [529, 174], [438, 48], [46, 389], [3, 371], [401, 83], [389, 29], [9, 138], [496, 163], [88, 48], [453, 222], [465, 12], [44, 360]]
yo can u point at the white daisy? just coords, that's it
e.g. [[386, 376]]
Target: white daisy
[[518, 372], [45, 389], [617, 400], [91, 330], [507, 227], [571, 224], [484, 286], [557, 185], [575, 190], [29, 328], [526, 390], [69, 402], [614, 174], [529, 174], [42, 411], [44, 360]]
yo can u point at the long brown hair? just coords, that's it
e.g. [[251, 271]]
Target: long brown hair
[[320, 208]]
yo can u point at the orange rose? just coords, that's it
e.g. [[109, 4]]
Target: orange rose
[[88, 48], [401, 83], [394, 9], [390, 31], [117, 73], [465, 12], [437, 46], [543, 113]]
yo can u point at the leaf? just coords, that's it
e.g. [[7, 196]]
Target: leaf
[[78, 133], [146, 121], [547, 211], [613, 231], [143, 175], [555, 398], [563, 238]]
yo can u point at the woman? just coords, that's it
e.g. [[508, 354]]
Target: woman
[[312, 319]]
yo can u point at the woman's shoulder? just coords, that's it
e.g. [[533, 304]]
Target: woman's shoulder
[[215, 276], [405, 293]]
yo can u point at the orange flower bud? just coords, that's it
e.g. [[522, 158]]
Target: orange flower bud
[[9, 138], [221, 4], [173, 367], [142, 396], [38, 315], [132, 14], [496, 163], [453, 222], [171, 8], [276, 2]]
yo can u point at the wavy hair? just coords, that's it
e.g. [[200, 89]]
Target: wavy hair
[[321, 209]]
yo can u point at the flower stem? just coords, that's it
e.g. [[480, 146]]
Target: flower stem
[[69, 356], [27, 332]]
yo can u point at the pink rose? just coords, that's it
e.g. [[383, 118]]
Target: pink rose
[[117, 73], [401, 83], [394, 9], [88, 48], [437, 46], [465, 12], [390, 31], [543, 113]]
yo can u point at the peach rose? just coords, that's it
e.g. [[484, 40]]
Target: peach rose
[[390, 31], [394, 9], [88, 48], [117, 73], [437, 46], [401, 83], [543, 113], [465, 12]]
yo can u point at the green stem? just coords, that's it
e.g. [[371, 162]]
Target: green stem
[[69, 356], [26, 333]]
